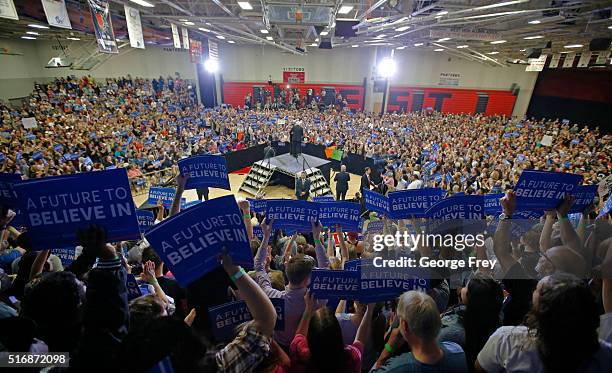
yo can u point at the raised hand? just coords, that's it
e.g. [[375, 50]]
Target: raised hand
[[509, 203], [266, 227], [566, 205], [181, 181]]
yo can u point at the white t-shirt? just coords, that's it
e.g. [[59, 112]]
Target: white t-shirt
[[512, 349], [416, 184]]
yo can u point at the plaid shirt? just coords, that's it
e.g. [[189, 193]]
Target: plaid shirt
[[245, 352]]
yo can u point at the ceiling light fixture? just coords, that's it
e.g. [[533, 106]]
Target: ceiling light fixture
[[28, 37], [354, 46], [400, 48], [494, 52], [221, 37], [143, 3], [418, 44], [499, 42], [34, 25], [345, 9], [324, 33], [438, 50], [314, 45], [380, 36], [443, 39], [573, 46], [403, 28], [462, 46], [269, 38], [264, 31], [245, 5], [32, 33], [73, 38], [535, 22], [189, 23], [533, 37], [231, 41], [203, 29]]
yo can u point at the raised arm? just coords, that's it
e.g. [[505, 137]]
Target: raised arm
[[260, 306], [545, 236], [160, 210], [322, 259], [344, 254], [39, 263], [363, 332], [501, 239], [569, 237], [181, 180], [245, 208]]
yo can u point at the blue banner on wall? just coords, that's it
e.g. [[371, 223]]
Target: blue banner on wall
[[205, 171], [543, 189], [7, 191], [345, 214], [225, 318], [190, 242], [165, 194], [56, 207], [294, 214], [404, 204], [376, 202], [146, 220]]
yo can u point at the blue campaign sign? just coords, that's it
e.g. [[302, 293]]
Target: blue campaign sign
[[258, 205], [584, 196], [607, 207], [162, 366], [133, 290], [492, 203], [189, 204], [146, 220], [225, 318], [330, 284], [544, 189], [293, 214], [205, 171], [7, 192], [56, 207], [165, 194], [191, 241], [458, 207], [323, 199], [376, 202], [345, 214], [413, 202], [65, 254], [375, 226], [257, 232]]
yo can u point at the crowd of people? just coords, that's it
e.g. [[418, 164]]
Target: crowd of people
[[546, 306]]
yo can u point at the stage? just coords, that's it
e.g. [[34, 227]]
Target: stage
[[288, 164]]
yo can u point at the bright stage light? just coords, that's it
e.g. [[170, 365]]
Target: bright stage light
[[386, 67], [211, 65]]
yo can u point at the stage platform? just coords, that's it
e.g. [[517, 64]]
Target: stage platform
[[290, 165]]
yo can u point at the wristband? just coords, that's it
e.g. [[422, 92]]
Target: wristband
[[152, 281], [305, 316], [318, 242], [563, 218], [246, 216], [236, 276], [388, 348]]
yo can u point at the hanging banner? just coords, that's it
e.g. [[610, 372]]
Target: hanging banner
[[185, 38], [569, 60], [56, 13], [176, 39], [132, 18], [294, 75], [584, 60], [7, 10], [449, 79], [100, 14], [554, 61], [602, 57], [536, 64], [195, 51]]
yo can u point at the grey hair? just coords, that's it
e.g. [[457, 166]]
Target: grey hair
[[420, 313]]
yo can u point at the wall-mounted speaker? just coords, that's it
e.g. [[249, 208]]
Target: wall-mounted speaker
[[600, 44]]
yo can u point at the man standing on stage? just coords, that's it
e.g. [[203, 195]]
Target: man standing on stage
[[366, 181], [302, 187], [297, 135], [342, 178]]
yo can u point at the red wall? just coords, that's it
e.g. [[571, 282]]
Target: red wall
[[234, 92], [451, 100]]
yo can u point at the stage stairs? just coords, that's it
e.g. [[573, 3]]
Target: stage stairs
[[260, 174]]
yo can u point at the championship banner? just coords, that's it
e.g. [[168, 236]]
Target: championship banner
[[258, 205], [225, 318], [7, 10], [133, 290], [66, 254], [185, 33], [585, 195], [176, 39], [134, 26], [585, 58], [554, 61], [375, 202], [408, 203], [56, 13], [345, 214], [292, 214], [7, 191], [103, 26], [544, 190], [294, 75], [195, 51], [56, 207], [146, 220], [191, 241], [165, 194], [492, 204], [569, 59], [602, 57], [205, 171]]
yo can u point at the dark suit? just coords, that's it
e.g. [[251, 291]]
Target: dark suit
[[342, 178], [365, 182], [297, 135], [302, 186]]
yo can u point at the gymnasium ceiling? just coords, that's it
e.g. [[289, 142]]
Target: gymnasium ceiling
[[475, 29]]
